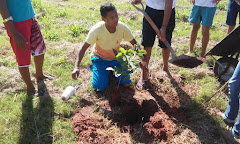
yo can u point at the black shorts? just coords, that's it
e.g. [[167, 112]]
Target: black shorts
[[149, 35]]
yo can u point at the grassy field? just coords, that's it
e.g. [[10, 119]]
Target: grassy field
[[64, 25]]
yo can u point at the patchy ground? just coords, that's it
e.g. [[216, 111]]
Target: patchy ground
[[152, 115]]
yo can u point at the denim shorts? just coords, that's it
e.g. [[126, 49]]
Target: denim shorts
[[233, 10], [101, 75], [149, 35], [204, 14]]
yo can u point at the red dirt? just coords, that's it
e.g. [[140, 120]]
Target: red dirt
[[148, 115]]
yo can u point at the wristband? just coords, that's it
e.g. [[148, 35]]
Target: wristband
[[164, 26], [7, 19]]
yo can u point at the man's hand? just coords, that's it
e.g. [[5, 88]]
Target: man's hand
[[163, 32], [19, 41], [135, 2], [192, 1], [75, 73]]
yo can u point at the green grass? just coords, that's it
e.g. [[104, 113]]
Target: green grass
[[27, 120]]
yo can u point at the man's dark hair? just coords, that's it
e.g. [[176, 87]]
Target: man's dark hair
[[105, 8]]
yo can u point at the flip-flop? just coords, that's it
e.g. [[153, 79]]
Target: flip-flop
[[49, 78], [34, 94], [141, 85]]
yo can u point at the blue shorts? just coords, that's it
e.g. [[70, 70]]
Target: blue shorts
[[149, 35], [101, 75], [233, 10], [204, 14]]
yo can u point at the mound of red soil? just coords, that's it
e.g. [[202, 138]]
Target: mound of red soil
[[146, 116], [159, 127], [89, 128]]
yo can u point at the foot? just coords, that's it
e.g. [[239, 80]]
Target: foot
[[141, 85], [234, 134], [43, 77], [167, 74], [203, 59], [32, 92], [189, 52], [145, 70], [227, 121]]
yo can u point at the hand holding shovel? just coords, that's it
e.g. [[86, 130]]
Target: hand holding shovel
[[183, 60]]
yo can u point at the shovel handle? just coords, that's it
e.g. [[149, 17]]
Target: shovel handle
[[155, 28]]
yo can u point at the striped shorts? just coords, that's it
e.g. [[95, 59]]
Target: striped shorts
[[30, 30]]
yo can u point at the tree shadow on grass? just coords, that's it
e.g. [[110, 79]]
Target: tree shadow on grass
[[37, 119]]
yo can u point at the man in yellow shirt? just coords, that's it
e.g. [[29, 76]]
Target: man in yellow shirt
[[105, 36]]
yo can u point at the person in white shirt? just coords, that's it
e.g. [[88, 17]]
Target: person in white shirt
[[162, 13], [202, 10]]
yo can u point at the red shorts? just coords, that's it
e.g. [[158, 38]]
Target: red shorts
[[30, 29]]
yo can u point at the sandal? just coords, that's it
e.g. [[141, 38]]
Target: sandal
[[141, 85], [34, 94]]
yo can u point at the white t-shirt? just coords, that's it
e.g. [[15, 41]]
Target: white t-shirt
[[205, 3], [159, 4]]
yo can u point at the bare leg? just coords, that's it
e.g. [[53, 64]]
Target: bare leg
[[38, 60], [24, 71], [205, 39], [230, 28], [165, 53], [146, 59], [193, 36]]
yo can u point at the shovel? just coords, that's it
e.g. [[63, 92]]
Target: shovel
[[182, 60]]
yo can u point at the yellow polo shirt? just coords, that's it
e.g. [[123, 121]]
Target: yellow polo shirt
[[103, 41]]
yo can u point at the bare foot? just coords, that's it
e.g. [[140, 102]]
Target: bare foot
[[203, 59], [141, 84], [31, 92], [42, 77], [167, 74]]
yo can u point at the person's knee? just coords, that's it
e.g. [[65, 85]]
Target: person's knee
[[99, 86], [196, 27]]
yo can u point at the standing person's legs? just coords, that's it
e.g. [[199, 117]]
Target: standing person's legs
[[205, 39], [148, 38], [23, 57], [165, 50], [230, 28], [193, 36], [233, 103], [146, 58], [207, 20], [233, 10], [165, 53], [24, 71], [195, 19], [38, 49], [38, 60]]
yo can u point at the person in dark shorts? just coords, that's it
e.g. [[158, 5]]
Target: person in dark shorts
[[233, 11], [162, 12]]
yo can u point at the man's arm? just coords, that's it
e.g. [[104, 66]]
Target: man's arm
[[18, 39], [167, 15], [133, 42], [75, 72]]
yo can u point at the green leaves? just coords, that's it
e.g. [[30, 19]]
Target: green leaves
[[129, 60]]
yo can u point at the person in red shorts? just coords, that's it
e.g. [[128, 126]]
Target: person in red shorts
[[25, 38]]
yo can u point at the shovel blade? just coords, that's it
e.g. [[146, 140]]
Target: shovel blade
[[187, 61]]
